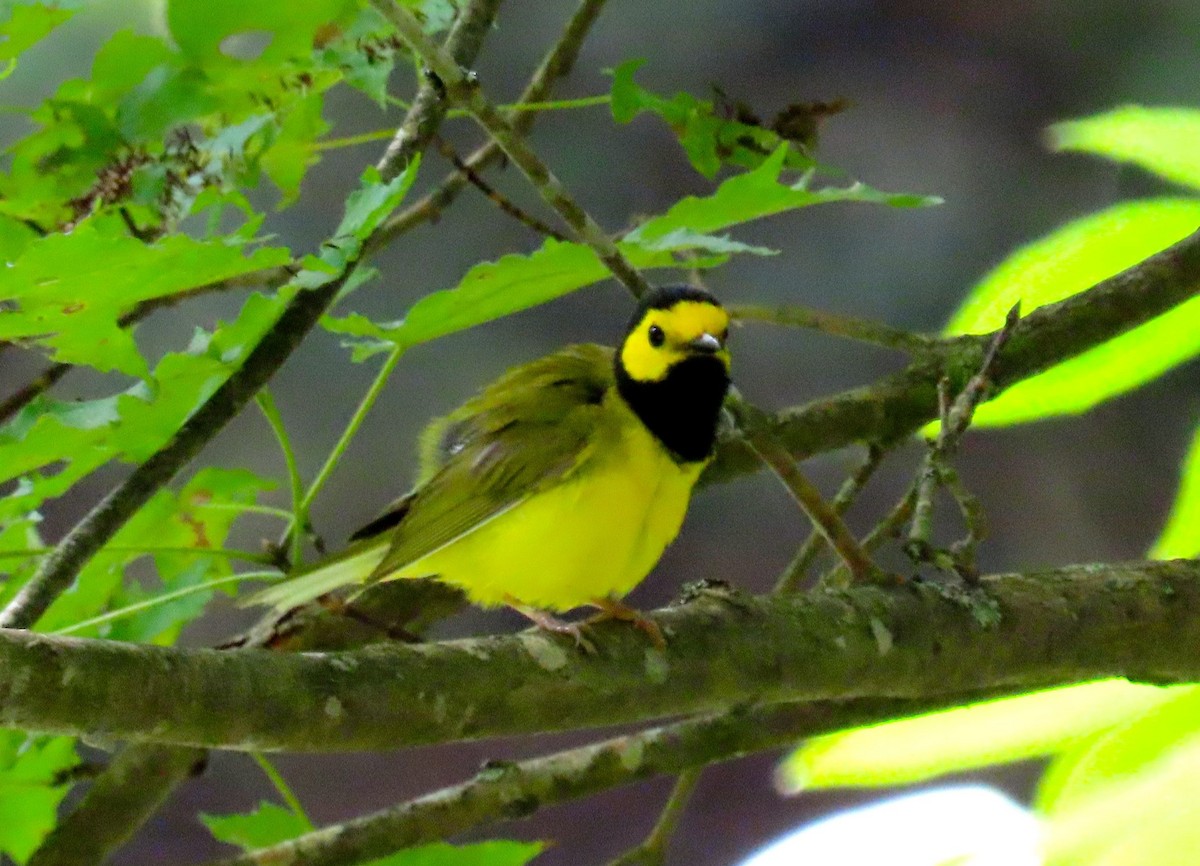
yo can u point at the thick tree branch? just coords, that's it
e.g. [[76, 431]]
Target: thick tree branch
[[1140, 620], [506, 791], [898, 405]]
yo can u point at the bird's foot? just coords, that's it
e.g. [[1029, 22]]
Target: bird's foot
[[610, 608], [548, 622]]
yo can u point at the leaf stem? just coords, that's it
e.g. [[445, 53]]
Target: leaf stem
[[653, 850], [836, 325], [229, 553], [512, 107], [148, 603], [281, 785], [299, 511], [356, 420]]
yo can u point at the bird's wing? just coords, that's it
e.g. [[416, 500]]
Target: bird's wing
[[530, 429]]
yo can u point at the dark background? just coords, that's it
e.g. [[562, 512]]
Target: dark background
[[949, 98]]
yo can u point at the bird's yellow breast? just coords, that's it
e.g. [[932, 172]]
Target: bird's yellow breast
[[598, 532]]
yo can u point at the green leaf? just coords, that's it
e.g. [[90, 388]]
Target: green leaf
[[1066, 262], [1150, 817], [206, 29], [366, 209], [1009, 729], [1120, 753], [54, 444], [69, 290], [28, 24], [266, 825], [1161, 140], [710, 135], [517, 282], [496, 853], [30, 790], [1180, 538]]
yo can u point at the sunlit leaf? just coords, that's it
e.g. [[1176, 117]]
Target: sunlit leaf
[[1181, 536], [1066, 262], [1120, 753], [31, 788], [1009, 729], [1150, 817], [1161, 140]]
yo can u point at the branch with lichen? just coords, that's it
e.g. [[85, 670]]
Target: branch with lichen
[[1139, 620]]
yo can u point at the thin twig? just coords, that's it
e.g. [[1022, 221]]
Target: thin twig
[[825, 519], [955, 418], [793, 576], [889, 528], [300, 524], [557, 64], [463, 89], [653, 850], [493, 195], [836, 325]]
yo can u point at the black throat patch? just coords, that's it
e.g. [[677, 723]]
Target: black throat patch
[[683, 408]]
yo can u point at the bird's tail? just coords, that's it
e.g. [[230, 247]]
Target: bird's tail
[[351, 566]]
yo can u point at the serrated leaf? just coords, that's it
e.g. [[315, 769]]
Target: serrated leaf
[[366, 209], [710, 136], [67, 291], [266, 825], [54, 444], [30, 789], [517, 282], [1064, 263], [1180, 538], [1120, 753], [1161, 140], [206, 29], [28, 24], [1009, 729]]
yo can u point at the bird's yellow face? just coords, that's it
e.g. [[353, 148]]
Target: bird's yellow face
[[664, 337]]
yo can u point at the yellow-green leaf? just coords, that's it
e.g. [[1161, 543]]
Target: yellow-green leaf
[[1150, 818], [1008, 729], [1064, 263], [1161, 140], [1181, 536], [1121, 753]]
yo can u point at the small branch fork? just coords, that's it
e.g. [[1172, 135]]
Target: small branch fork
[[955, 417]]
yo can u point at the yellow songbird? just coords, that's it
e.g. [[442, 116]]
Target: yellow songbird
[[561, 483]]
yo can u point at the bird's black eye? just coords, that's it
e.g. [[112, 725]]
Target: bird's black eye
[[657, 337]]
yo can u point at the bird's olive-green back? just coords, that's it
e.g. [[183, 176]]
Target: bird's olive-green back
[[531, 428]]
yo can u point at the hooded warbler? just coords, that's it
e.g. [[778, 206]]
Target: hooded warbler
[[562, 482]]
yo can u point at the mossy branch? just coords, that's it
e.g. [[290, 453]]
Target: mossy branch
[[1140, 620]]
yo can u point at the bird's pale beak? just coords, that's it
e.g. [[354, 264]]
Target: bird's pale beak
[[706, 344]]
